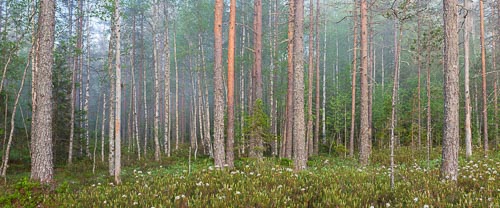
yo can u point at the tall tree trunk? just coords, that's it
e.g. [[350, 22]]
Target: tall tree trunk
[[87, 91], [290, 88], [218, 88], [316, 128], [394, 97], [230, 86], [300, 154], [419, 69], [256, 140], [156, 123], [118, 96], [73, 88], [309, 132], [176, 93], [353, 86], [79, 67], [365, 131], [112, 97], [42, 168], [166, 51], [242, 88], [134, 91], [206, 103], [483, 75], [468, 108], [323, 104], [449, 166], [103, 126]]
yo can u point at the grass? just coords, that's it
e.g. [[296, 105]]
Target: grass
[[328, 182]]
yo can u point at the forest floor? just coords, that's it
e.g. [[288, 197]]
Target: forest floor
[[329, 181]]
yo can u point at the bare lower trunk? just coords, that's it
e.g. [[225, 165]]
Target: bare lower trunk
[[42, 168], [316, 128], [176, 94], [365, 131], [230, 86], [300, 154], [117, 165], [156, 123], [166, 51], [219, 155], [353, 85], [449, 167], [483, 75], [323, 105], [87, 94], [290, 88], [103, 126], [468, 108], [309, 132]]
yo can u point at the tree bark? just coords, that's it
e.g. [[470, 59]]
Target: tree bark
[[468, 108], [118, 96], [290, 88], [483, 75], [219, 154], [353, 86], [103, 126], [316, 128], [156, 123], [134, 91], [112, 97], [166, 51], [230, 86], [394, 97], [309, 132], [300, 154], [449, 166], [42, 169], [365, 131]]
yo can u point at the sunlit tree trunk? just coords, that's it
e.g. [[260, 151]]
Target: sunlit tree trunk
[[449, 166], [42, 168], [219, 154], [156, 123], [230, 86]]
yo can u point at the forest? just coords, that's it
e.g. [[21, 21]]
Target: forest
[[261, 103]]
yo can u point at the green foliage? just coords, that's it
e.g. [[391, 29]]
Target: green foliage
[[259, 124]]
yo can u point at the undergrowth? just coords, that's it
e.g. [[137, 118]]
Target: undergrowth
[[328, 182]]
